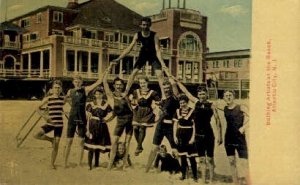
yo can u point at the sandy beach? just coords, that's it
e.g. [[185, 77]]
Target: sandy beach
[[30, 163]]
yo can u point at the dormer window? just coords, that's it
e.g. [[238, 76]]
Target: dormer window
[[25, 23], [106, 19], [58, 17]]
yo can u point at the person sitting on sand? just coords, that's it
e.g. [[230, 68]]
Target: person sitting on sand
[[168, 162], [121, 150]]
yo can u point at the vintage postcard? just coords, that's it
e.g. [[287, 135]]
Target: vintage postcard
[[149, 92]]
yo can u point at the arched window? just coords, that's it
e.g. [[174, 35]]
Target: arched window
[[189, 42], [9, 63]]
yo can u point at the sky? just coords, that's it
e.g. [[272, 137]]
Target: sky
[[229, 21]]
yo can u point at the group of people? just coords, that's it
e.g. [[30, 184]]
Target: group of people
[[184, 119]]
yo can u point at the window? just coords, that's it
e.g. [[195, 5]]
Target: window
[[188, 70], [39, 18], [180, 70], [93, 34], [226, 63], [196, 70], [26, 37], [216, 64], [189, 43], [25, 23], [125, 39], [58, 16], [109, 37], [237, 63], [90, 34], [57, 32], [34, 36]]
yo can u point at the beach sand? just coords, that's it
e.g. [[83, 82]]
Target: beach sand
[[30, 163]]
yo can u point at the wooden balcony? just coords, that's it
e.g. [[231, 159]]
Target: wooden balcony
[[20, 74], [84, 41], [11, 45], [36, 43], [189, 54]]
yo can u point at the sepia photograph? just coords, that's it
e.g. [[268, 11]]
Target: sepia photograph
[[153, 92]]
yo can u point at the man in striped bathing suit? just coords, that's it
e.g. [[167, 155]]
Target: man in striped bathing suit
[[55, 103]]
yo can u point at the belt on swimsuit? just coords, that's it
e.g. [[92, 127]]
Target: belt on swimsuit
[[179, 126], [167, 121], [95, 118]]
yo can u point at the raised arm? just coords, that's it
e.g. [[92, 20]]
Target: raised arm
[[128, 49], [192, 98], [218, 124], [174, 87], [107, 90], [94, 85]]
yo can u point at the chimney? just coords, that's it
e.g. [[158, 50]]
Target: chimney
[[163, 7], [178, 4], [72, 4], [169, 3], [183, 4]]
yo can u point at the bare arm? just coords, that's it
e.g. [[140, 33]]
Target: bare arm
[[192, 98], [218, 124], [93, 86], [158, 52], [40, 108], [109, 117], [106, 86], [68, 98], [128, 49], [192, 140], [174, 87], [244, 109]]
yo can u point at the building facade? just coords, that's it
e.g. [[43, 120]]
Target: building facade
[[58, 42], [228, 70]]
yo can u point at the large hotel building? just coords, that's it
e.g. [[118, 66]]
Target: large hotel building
[[81, 38]]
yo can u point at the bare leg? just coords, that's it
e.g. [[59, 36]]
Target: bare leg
[[127, 144], [67, 151], [136, 132], [152, 157], [245, 166], [233, 168], [210, 163], [81, 151], [203, 168], [54, 151], [42, 136], [113, 151]]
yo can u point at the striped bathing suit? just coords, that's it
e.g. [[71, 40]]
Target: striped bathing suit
[[55, 107]]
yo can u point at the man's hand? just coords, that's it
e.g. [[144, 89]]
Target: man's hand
[[242, 130]]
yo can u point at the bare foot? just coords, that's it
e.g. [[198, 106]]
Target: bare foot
[[53, 167]]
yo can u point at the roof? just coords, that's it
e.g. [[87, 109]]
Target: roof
[[106, 14], [11, 27], [228, 54], [41, 9]]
